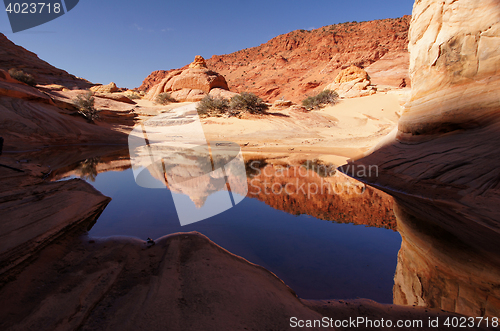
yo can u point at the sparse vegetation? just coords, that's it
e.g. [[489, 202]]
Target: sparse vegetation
[[322, 169], [212, 106], [241, 103], [132, 95], [248, 102], [326, 97], [85, 104], [22, 77], [164, 98]]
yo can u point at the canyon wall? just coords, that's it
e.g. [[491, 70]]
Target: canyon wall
[[437, 271], [301, 63], [445, 152], [454, 66], [447, 137]]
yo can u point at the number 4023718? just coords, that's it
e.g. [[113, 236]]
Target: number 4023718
[[33, 8]]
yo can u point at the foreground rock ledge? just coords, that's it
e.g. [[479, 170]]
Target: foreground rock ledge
[[34, 216], [184, 282]]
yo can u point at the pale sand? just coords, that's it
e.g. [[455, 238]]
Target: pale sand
[[333, 134]]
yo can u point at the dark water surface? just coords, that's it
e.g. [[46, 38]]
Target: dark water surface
[[318, 259]]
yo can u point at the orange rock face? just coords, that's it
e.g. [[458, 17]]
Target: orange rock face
[[198, 63], [350, 74], [351, 83], [191, 84], [110, 88], [302, 63]]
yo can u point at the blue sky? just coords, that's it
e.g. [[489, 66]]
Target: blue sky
[[124, 41]]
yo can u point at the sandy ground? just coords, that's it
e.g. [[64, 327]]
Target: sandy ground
[[336, 132], [333, 134]]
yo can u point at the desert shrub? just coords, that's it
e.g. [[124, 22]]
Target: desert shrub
[[132, 95], [212, 106], [326, 97], [164, 98], [85, 104], [322, 169], [22, 77], [248, 102]]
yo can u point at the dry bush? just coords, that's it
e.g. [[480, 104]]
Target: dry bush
[[85, 104], [326, 97], [164, 98], [22, 77]]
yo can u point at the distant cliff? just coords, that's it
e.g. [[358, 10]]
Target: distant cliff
[[302, 62]]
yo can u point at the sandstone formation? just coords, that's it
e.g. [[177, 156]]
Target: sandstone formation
[[222, 93], [446, 148], [282, 103], [29, 225], [30, 118], [5, 77], [352, 82], [114, 96], [110, 88], [350, 74], [302, 62], [390, 70], [155, 78], [12, 88], [198, 63], [13, 56], [453, 112], [453, 66], [183, 282], [184, 279], [191, 84], [437, 271]]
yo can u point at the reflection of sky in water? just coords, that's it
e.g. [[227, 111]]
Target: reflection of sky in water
[[318, 259]]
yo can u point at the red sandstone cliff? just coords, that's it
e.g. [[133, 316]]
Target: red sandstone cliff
[[294, 64]]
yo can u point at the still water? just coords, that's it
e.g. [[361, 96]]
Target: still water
[[318, 259]]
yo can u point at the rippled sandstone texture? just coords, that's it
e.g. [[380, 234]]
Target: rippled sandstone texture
[[437, 270], [454, 66], [446, 146], [446, 150]]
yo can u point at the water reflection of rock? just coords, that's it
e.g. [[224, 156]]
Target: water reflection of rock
[[173, 149], [297, 190], [35, 211], [193, 171], [87, 164], [439, 269]]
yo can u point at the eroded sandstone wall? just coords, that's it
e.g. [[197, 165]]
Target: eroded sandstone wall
[[454, 66]]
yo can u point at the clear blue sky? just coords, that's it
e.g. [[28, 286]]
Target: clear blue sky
[[123, 41]]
